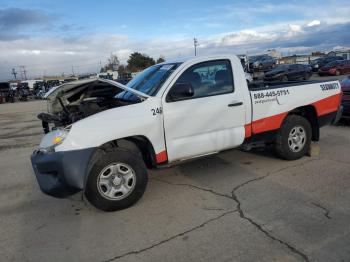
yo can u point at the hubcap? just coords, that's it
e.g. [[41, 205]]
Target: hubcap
[[116, 181], [297, 139]]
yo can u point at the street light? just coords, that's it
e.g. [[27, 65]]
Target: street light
[[195, 43]]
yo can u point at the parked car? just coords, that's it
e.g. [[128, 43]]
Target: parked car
[[345, 86], [169, 113], [288, 72], [124, 78], [248, 77], [335, 68], [261, 62], [320, 62], [5, 94]]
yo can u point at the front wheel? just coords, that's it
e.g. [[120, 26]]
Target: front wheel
[[294, 138], [284, 78], [117, 180], [306, 76]]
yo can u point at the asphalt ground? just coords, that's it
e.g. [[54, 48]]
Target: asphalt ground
[[234, 206]]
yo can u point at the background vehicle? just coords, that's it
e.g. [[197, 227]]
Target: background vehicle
[[320, 62], [248, 77], [168, 113], [288, 72], [335, 68], [23, 91], [345, 86], [39, 89], [124, 78], [261, 62], [52, 83], [5, 92]]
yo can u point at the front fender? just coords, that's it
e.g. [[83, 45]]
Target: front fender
[[141, 119]]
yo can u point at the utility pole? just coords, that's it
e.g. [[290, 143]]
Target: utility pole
[[23, 72], [73, 70], [195, 43], [14, 73]]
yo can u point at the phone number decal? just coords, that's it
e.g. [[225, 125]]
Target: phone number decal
[[270, 94]]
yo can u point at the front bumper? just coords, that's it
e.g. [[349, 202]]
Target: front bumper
[[60, 174]]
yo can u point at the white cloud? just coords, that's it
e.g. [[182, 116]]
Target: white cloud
[[314, 22], [57, 55], [295, 28]]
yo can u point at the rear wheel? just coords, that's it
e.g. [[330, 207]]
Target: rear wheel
[[307, 76], [284, 78], [294, 138], [117, 180]]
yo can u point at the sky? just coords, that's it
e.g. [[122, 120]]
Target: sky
[[58, 37]]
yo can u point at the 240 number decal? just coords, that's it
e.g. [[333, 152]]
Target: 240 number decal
[[157, 111]]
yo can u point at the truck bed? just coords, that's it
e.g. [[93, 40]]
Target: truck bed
[[272, 102]]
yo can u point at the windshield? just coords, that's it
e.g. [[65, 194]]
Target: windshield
[[256, 58], [149, 80], [334, 63]]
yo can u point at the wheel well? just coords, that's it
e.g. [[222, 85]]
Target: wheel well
[[309, 112], [140, 144]]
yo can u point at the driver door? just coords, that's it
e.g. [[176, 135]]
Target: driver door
[[208, 119]]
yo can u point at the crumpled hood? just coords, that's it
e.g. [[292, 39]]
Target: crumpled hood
[[66, 91]]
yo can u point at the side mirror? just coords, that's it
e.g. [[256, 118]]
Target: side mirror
[[180, 91]]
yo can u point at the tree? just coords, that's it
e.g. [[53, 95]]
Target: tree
[[122, 70], [138, 62], [161, 59], [112, 64]]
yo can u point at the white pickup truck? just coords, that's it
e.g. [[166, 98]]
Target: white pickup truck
[[102, 136]]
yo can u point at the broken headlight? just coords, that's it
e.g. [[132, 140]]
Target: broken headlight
[[53, 138]]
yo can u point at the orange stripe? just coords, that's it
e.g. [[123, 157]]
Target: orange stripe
[[323, 107], [161, 157], [327, 105], [248, 130], [268, 123]]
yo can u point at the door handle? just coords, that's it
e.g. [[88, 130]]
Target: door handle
[[235, 104]]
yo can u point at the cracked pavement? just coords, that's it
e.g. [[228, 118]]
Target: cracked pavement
[[234, 206]]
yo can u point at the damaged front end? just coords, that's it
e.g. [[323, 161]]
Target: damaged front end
[[74, 101]]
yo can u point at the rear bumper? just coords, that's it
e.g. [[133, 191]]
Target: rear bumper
[[60, 174], [338, 115], [325, 73], [346, 111]]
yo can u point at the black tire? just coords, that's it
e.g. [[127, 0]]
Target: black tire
[[118, 155], [307, 76], [281, 145], [284, 78]]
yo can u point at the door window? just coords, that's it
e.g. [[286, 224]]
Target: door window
[[207, 79]]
